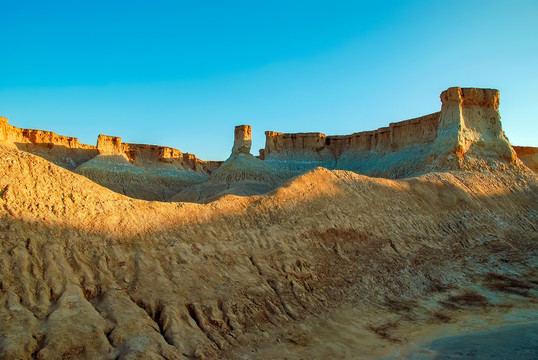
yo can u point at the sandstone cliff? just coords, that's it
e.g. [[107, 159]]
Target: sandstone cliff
[[141, 171], [64, 151], [241, 174], [466, 134], [528, 155]]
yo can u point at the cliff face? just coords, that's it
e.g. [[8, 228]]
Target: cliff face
[[529, 156], [147, 172], [241, 174], [141, 171], [466, 134], [64, 151], [89, 274], [387, 139], [470, 130]]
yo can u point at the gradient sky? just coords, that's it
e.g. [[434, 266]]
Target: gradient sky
[[184, 73]]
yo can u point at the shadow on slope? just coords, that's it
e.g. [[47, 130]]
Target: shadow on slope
[[88, 272]]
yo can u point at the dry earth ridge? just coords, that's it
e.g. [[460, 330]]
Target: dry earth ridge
[[315, 262]]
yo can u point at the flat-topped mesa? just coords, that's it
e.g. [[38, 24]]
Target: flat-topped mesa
[[153, 156], [109, 145], [334, 150], [242, 139], [470, 127], [65, 151], [465, 134]]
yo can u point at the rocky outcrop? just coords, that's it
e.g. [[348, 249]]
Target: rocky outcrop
[[466, 134], [470, 130], [529, 156], [421, 130], [242, 139], [241, 174], [141, 171], [147, 172], [109, 145], [64, 151]]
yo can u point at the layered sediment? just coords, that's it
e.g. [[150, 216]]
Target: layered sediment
[[330, 264], [241, 174], [528, 155], [88, 273], [141, 171], [466, 133]]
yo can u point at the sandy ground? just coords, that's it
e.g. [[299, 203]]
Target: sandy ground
[[329, 265], [507, 324]]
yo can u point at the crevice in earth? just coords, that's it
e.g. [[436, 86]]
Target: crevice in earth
[[195, 314], [40, 340], [159, 321], [298, 299], [391, 243], [274, 288], [107, 333], [156, 317]]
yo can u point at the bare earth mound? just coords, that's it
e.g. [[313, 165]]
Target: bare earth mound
[[89, 273]]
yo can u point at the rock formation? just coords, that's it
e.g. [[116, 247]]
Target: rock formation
[[242, 140], [109, 145], [331, 265], [141, 171], [470, 128], [528, 155], [466, 133], [64, 151], [241, 174]]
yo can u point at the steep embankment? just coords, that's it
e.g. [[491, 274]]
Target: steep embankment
[[528, 155], [147, 183], [148, 172], [86, 272], [465, 135]]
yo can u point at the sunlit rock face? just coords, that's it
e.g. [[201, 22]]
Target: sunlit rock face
[[326, 264], [466, 133], [242, 139], [241, 174], [528, 155], [470, 129]]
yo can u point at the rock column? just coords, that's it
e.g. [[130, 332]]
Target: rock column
[[242, 140], [109, 145], [3, 129]]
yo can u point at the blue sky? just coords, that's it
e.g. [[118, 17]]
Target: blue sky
[[184, 73]]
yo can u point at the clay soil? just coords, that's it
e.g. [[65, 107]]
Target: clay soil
[[329, 265]]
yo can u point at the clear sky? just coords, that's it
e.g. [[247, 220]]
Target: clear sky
[[184, 73]]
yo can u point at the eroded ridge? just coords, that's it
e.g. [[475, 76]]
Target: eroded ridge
[[465, 135]]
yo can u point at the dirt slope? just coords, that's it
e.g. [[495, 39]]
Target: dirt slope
[[88, 273]]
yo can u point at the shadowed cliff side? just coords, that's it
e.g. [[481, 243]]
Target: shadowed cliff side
[[465, 135], [143, 171]]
